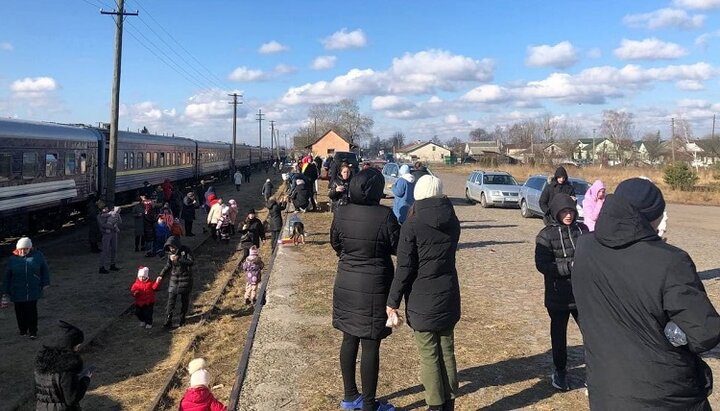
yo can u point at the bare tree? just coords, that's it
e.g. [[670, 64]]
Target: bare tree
[[566, 135], [397, 140], [618, 127], [344, 118], [436, 140], [480, 134], [457, 146]]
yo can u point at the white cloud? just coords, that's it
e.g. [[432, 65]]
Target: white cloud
[[703, 39], [245, 74], [452, 119], [561, 55], [34, 85], [435, 99], [648, 49], [390, 103], [419, 73], [281, 69], [148, 113], [324, 62], [209, 105], [690, 85], [665, 18], [6, 46], [272, 48], [594, 53], [487, 93], [698, 4], [341, 40]]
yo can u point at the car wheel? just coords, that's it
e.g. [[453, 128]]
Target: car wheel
[[467, 197], [524, 211], [483, 201]]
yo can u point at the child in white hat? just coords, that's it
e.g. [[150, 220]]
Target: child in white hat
[[144, 292], [198, 396]]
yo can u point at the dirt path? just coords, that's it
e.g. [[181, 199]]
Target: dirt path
[[502, 340]]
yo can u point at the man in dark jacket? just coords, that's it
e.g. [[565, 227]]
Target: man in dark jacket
[[179, 265], [93, 227], [554, 252], [427, 278], [364, 234], [301, 194], [558, 184], [311, 171], [629, 284], [60, 382]]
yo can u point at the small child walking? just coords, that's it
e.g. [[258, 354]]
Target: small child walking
[[144, 292], [224, 225], [252, 266], [198, 396]]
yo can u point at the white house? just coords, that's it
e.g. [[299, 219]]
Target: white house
[[427, 152]]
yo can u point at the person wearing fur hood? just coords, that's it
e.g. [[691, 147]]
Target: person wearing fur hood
[[403, 192], [60, 382]]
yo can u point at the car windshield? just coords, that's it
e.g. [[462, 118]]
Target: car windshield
[[500, 179], [580, 187]]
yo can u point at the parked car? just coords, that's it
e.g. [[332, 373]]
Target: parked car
[[492, 188], [349, 157], [532, 189], [390, 173]]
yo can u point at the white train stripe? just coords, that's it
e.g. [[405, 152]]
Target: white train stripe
[[35, 199]]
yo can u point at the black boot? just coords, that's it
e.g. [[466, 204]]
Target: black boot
[[102, 270], [168, 322], [113, 267], [449, 405]]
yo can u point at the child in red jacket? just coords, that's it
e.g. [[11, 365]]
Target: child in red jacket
[[198, 396], [144, 292]]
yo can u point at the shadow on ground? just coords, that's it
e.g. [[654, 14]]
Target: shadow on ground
[[481, 244]]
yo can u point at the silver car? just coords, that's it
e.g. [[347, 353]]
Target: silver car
[[531, 191], [390, 172], [492, 188]]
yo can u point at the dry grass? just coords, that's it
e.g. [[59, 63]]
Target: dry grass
[[707, 192]]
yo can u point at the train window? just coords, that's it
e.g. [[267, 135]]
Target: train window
[[30, 165], [125, 161], [83, 163], [148, 159], [51, 164], [162, 160], [70, 165], [156, 158], [5, 166], [131, 162], [139, 159]]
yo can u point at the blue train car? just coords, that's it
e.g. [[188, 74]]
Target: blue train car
[[213, 159], [47, 172]]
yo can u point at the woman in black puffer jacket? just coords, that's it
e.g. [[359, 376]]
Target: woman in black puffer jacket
[[427, 278], [364, 234], [554, 254], [338, 190], [276, 204], [60, 383]]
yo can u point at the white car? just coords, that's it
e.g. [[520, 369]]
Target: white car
[[492, 188]]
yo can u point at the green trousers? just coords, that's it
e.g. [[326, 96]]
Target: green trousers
[[439, 372]]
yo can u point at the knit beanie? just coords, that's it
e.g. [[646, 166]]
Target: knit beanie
[[196, 364], [644, 196], [143, 272], [200, 377], [428, 186], [24, 243]]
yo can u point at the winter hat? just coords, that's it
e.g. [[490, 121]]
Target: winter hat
[[23, 243], [267, 181], [253, 251], [560, 172], [196, 364], [232, 202], [225, 210], [299, 181], [70, 336], [143, 272], [285, 176], [251, 211], [644, 196], [404, 169], [211, 197], [428, 186], [200, 377]]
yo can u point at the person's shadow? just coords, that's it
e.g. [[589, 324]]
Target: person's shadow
[[511, 371]]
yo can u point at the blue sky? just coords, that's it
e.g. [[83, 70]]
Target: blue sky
[[421, 67]]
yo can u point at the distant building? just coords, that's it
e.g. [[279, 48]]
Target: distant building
[[596, 149], [427, 152], [330, 143], [480, 148]]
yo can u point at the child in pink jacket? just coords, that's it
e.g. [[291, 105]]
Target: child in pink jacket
[[592, 203]]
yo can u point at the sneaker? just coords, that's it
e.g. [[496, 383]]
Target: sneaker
[[559, 381], [142, 324], [148, 326], [352, 405], [385, 406], [102, 270]]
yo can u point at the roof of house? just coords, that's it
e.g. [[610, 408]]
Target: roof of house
[[352, 146], [483, 146]]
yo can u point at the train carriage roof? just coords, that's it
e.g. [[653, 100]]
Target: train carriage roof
[[213, 144], [10, 128], [131, 137]]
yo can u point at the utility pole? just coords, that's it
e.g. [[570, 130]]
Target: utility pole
[[260, 117], [713, 128], [315, 128], [672, 137], [272, 136], [115, 105], [235, 103], [593, 152]]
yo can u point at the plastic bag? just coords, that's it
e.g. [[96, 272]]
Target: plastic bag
[[395, 320], [675, 335]]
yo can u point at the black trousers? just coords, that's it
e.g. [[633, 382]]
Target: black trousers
[[188, 226], [145, 313], [184, 304], [558, 336], [369, 368], [275, 237], [27, 317]]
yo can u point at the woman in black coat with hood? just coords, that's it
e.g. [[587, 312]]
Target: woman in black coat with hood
[[427, 278], [60, 382], [364, 234], [275, 205], [558, 184], [554, 258]]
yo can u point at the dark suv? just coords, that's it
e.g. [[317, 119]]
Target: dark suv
[[349, 157]]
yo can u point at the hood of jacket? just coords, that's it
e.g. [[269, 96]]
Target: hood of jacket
[[172, 241], [197, 395], [366, 187], [437, 212], [594, 189], [56, 359], [620, 224], [560, 202]]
